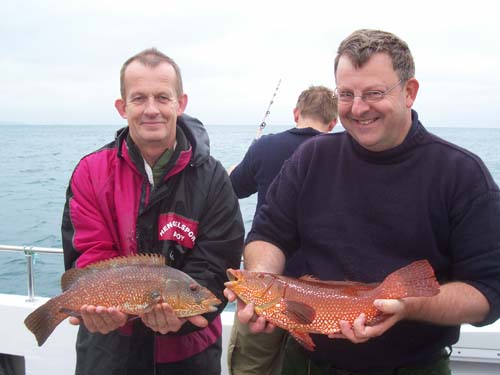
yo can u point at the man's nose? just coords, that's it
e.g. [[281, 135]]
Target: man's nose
[[151, 106], [359, 106]]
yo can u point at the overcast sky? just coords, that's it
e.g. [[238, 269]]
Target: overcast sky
[[60, 60]]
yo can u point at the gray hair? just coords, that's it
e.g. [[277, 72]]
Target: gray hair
[[362, 44], [151, 57]]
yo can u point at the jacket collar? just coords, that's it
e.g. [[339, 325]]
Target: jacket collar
[[193, 129]]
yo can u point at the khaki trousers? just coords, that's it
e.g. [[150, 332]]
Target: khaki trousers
[[259, 354]]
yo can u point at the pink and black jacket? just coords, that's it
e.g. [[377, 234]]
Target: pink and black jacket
[[192, 217]]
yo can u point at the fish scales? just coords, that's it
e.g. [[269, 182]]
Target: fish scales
[[346, 306], [308, 305], [134, 285]]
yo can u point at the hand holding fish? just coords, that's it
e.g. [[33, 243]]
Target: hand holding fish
[[360, 332], [163, 319], [100, 319], [246, 314]]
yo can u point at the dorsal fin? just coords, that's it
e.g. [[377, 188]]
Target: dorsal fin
[[132, 260], [72, 275], [348, 287]]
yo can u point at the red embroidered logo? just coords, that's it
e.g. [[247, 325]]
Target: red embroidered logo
[[177, 228]]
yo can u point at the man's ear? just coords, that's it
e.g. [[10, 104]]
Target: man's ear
[[332, 124], [412, 86], [182, 101], [120, 107], [296, 115]]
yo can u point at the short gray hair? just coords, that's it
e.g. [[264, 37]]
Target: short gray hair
[[151, 57], [362, 44]]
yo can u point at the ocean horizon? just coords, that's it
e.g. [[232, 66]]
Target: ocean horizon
[[38, 161]]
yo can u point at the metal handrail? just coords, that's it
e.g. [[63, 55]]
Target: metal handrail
[[33, 249], [29, 251]]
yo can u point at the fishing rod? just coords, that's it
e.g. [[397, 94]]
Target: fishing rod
[[263, 123]]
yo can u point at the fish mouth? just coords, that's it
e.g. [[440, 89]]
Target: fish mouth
[[211, 304], [233, 275]]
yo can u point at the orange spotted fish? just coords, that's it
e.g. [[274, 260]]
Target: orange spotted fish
[[307, 305], [133, 284]]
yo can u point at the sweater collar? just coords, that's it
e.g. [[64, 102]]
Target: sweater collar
[[304, 131]]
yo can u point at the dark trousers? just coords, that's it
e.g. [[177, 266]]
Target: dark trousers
[[207, 362], [296, 363], [117, 354]]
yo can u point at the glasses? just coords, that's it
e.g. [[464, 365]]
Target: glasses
[[372, 96]]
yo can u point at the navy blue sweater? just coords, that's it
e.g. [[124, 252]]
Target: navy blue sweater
[[263, 161], [341, 212]]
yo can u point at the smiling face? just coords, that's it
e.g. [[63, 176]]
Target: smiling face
[[375, 126], [151, 105]]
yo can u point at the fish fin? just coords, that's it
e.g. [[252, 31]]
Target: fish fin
[[349, 288], [299, 312], [45, 319], [148, 259], [415, 280], [309, 278], [77, 314], [69, 278], [304, 339], [70, 312]]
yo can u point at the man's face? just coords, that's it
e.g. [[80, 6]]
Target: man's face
[[151, 105], [375, 126]]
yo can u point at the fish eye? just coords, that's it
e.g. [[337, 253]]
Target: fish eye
[[155, 294], [193, 287]]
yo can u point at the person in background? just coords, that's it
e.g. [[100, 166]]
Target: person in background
[[315, 113], [154, 189], [360, 204]]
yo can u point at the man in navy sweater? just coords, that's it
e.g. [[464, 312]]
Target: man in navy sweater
[[315, 113], [360, 204]]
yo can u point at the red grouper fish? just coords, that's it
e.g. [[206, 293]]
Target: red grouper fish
[[133, 284], [307, 305]]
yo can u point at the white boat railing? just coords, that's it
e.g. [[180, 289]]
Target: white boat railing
[[29, 252]]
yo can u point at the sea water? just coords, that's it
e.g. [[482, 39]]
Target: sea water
[[37, 162]]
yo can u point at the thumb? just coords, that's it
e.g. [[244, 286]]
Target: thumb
[[198, 321], [74, 320], [389, 306]]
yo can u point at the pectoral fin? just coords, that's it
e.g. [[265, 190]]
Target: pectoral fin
[[304, 339], [299, 312]]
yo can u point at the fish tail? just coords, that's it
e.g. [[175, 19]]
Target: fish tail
[[45, 319], [415, 280]]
